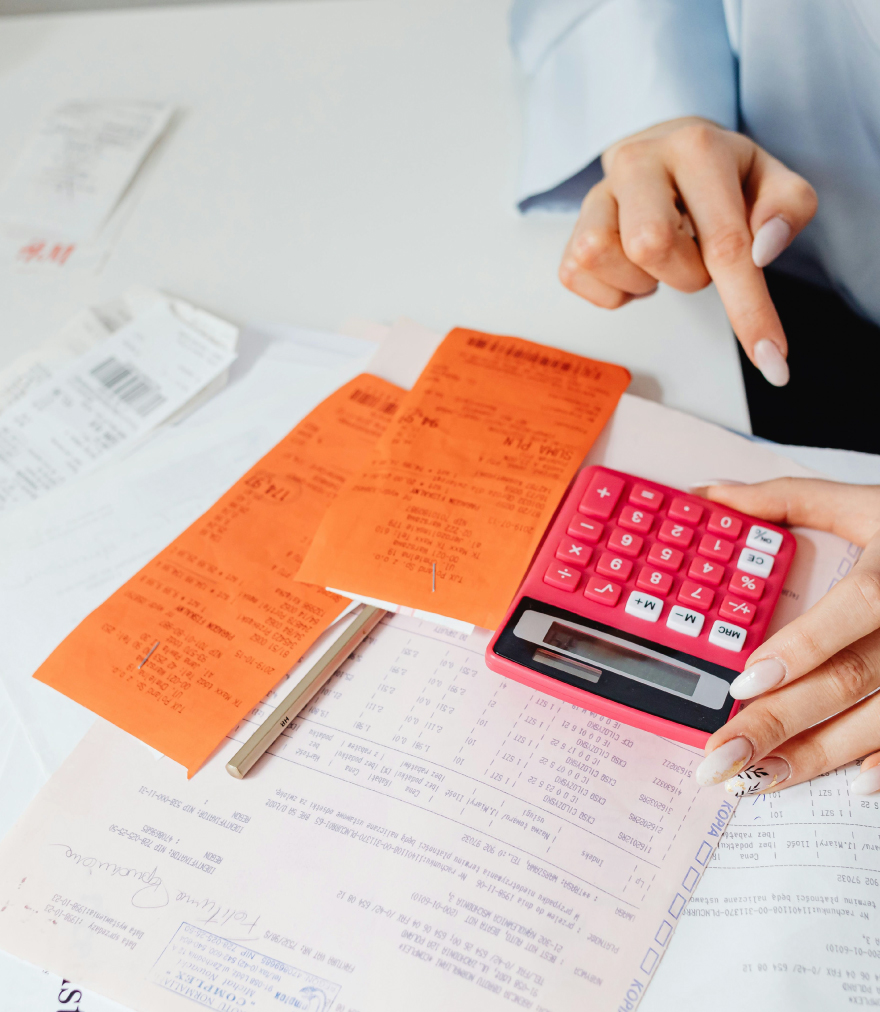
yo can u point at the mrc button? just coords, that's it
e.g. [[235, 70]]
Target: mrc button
[[727, 636]]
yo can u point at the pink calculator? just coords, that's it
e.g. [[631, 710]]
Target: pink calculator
[[643, 604]]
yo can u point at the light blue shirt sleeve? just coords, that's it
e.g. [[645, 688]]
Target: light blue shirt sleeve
[[600, 70]]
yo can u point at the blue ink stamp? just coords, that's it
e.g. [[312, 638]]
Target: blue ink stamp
[[226, 976]]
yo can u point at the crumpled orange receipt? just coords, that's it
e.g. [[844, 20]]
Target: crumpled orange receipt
[[183, 650], [452, 504]]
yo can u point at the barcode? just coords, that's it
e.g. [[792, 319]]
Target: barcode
[[371, 400], [129, 385]]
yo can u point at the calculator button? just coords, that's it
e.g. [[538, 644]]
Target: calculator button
[[756, 563], [737, 611], [601, 590], [724, 523], [685, 621], [613, 565], [585, 530], [635, 520], [573, 552], [764, 540], [675, 534], [654, 580], [728, 636], [625, 543], [644, 606], [644, 495], [562, 577], [715, 548], [683, 509], [702, 570], [601, 496], [665, 558], [744, 585], [695, 595]]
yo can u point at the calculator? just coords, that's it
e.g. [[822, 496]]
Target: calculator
[[643, 604]]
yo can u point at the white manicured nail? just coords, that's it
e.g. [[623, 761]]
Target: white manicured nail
[[758, 678], [770, 240], [770, 360], [759, 777], [726, 761], [867, 782]]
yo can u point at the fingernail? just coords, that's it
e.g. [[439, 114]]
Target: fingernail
[[867, 782], [770, 360], [724, 762], [760, 677], [770, 240], [646, 295], [759, 777], [714, 481]]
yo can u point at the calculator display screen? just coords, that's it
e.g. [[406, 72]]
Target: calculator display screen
[[618, 657]]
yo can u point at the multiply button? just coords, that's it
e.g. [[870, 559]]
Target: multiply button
[[601, 590], [727, 636], [675, 534], [715, 548], [755, 563], [562, 577], [724, 523], [573, 552], [644, 495], [601, 496], [644, 606], [685, 621], [764, 540], [681, 509]]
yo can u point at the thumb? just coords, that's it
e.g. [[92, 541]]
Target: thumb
[[781, 203], [850, 511]]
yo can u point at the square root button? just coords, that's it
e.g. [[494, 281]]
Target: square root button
[[727, 636]]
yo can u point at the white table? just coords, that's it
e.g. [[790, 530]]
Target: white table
[[334, 158]]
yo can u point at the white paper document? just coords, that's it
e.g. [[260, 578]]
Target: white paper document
[[78, 165], [428, 827], [103, 401]]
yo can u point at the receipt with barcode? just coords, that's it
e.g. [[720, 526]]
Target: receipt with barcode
[[102, 403]]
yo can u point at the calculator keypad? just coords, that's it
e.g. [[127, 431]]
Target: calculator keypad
[[665, 565]]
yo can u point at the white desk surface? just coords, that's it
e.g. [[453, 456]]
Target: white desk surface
[[336, 158]]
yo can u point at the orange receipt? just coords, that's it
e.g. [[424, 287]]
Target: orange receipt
[[181, 652], [449, 510]]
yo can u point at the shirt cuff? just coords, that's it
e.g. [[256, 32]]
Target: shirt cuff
[[626, 66]]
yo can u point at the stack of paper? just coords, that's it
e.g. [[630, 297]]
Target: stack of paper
[[109, 378]]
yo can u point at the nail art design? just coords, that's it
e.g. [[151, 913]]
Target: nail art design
[[759, 777]]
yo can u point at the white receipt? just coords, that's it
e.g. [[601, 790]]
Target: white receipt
[[104, 401], [428, 827], [78, 165], [787, 911]]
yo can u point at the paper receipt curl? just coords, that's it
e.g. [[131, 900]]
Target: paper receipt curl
[[183, 650], [449, 510]]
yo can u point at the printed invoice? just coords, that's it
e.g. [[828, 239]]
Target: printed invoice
[[427, 828]]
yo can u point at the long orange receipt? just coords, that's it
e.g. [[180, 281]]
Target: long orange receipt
[[447, 514], [223, 601]]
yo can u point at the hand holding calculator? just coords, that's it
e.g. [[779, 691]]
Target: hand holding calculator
[[643, 604]]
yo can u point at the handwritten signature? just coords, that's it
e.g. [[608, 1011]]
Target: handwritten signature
[[151, 894]]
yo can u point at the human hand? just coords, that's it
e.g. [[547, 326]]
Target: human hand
[[681, 181], [815, 677]]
